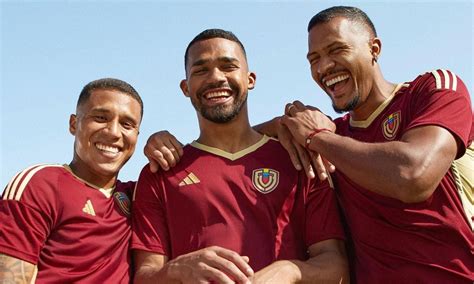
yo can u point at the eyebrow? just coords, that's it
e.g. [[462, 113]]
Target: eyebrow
[[227, 59]]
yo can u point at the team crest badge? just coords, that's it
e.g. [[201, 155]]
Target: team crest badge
[[265, 180], [123, 202], [390, 125]]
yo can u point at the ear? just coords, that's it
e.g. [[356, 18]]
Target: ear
[[72, 124], [376, 48], [184, 87], [252, 80]]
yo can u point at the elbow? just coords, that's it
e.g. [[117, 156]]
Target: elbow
[[416, 184]]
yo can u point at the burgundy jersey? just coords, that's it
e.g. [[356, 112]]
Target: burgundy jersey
[[72, 231], [252, 202], [425, 242]]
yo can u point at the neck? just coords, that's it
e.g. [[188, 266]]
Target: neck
[[230, 137], [380, 91], [92, 178]]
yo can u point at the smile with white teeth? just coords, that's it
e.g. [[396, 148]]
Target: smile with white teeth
[[336, 80], [106, 148], [219, 94]]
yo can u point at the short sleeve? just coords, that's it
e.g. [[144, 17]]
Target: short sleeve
[[27, 214], [323, 219], [441, 98], [149, 226]]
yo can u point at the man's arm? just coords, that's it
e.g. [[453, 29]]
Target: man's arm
[[408, 170], [327, 264], [213, 264], [14, 270]]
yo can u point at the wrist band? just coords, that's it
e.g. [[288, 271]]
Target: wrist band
[[311, 135]]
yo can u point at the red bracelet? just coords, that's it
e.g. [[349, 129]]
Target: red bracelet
[[311, 135]]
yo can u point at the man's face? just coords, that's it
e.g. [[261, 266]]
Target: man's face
[[106, 130], [341, 58], [217, 79]]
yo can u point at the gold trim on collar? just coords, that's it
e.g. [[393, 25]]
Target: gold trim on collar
[[105, 191], [231, 156], [366, 123]]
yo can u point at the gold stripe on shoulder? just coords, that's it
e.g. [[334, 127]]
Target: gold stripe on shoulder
[[366, 123], [28, 177], [13, 184], [231, 156], [437, 78]]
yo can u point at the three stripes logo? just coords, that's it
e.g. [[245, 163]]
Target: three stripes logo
[[88, 208], [17, 185], [189, 179], [445, 79]]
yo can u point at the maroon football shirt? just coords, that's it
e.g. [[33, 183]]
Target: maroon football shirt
[[72, 231], [253, 202], [426, 242]]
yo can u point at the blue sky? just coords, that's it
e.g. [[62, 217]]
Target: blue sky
[[50, 49]]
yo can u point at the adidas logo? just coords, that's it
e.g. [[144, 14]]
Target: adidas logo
[[189, 179], [88, 209]]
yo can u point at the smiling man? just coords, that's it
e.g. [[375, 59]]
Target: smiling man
[[393, 151], [70, 223], [234, 209]]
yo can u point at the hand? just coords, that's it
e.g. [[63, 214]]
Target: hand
[[321, 165], [211, 264], [299, 156], [163, 150]]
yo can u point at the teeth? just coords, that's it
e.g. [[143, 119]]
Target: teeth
[[106, 148], [336, 80], [216, 94]]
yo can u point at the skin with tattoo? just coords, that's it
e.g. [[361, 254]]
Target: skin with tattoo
[[17, 271]]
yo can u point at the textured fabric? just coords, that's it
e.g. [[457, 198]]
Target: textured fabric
[[253, 202], [426, 242], [72, 231]]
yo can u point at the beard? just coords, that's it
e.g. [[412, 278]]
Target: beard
[[220, 113], [351, 105]]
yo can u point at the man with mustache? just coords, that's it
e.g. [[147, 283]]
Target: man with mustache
[[407, 218], [235, 204]]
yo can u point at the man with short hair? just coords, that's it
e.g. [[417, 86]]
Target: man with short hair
[[234, 204], [393, 152], [407, 218], [70, 223]]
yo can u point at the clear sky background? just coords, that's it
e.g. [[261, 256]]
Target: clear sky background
[[51, 49]]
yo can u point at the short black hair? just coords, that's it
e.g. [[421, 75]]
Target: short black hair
[[350, 13], [213, 33], [109, 84]]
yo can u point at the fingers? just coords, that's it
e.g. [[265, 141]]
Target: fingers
[[319, 165], [286, 140], [234, 259], [304, 157], [163, 150]]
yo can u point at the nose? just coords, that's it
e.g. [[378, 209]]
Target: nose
[[216, 75], [325, 64], [113, 128]]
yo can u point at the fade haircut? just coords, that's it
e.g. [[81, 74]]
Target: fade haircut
[[213, 33], [350, 13], [109, 84]]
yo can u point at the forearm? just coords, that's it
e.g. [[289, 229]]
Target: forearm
[[329, 267], [150, 274], [13, 270], [393, 169], [269, 128]]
